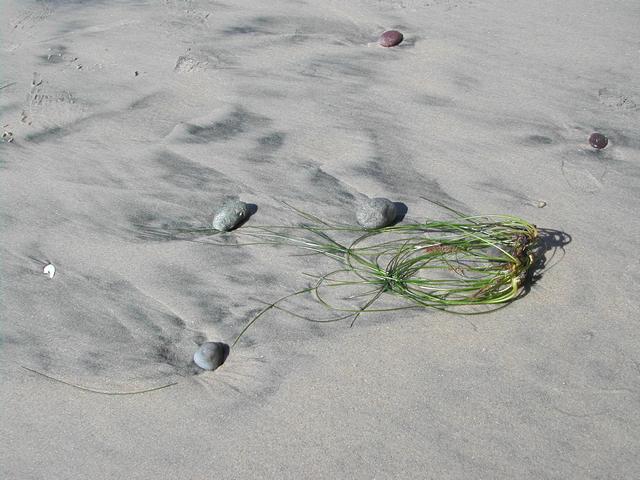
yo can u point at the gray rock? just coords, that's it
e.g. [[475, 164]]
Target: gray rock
[[210, 355], [232, 214], [376, 213]]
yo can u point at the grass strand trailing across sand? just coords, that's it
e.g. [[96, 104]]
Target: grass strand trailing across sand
[[102, 392], [467, 261]]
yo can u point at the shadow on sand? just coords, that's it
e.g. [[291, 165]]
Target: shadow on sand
[[549, 251]]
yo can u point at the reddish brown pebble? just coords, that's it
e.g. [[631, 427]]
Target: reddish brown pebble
[[598, 140], [390, 38]]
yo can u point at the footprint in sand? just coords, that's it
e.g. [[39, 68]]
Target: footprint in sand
[[585, 171]]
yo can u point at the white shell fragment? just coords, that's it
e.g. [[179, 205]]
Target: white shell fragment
[[50, 270]]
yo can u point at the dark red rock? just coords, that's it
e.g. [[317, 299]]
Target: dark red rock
[[390, 38], [598, 140]]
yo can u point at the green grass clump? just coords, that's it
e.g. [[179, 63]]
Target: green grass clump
[[469, 264]]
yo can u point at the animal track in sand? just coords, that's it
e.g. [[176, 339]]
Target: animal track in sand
[[448, 4], [7, 135], [617, 100], [199, 61], [58, 55], [31, 17], [188, 63], [183, 15], [49, 108]]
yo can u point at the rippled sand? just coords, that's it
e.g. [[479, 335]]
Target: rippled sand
[[123, 119]]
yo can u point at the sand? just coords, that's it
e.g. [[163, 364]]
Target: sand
[[148, 115]]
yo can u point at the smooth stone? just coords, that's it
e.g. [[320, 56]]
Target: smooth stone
[[390, 38], [231, 215], [376, 213], [598, 141], [210, 355]]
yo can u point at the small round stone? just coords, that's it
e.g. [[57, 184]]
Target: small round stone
[[210, 355], [598, 140], [376, 213], [231, 215], [390, 38]]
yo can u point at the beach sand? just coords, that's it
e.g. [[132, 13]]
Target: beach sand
[[123, 118]]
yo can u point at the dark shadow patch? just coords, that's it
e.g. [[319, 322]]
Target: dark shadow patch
[[199, 339], [46, 134], [252, 209], [267, 146], [212, 311], [149, 226], [295, 30], [8, 339], [211, 301], [93, 362], [143, 217], [233, 124], [401, 209], [400, 181], [619, 138], [184, 173], [257, 25], [223, 130], [10, 107], [176, 321], [300, 38], [434, 101], [76, 2], [43, 359], [407, 42], [372, 168], [330, 68], [165, 352], [391, 167], [272, 141], [68, 129], [466, 82], [328, 183], [551, 243], [245, 30], [145, 101], [537, 140], [55, 55]]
